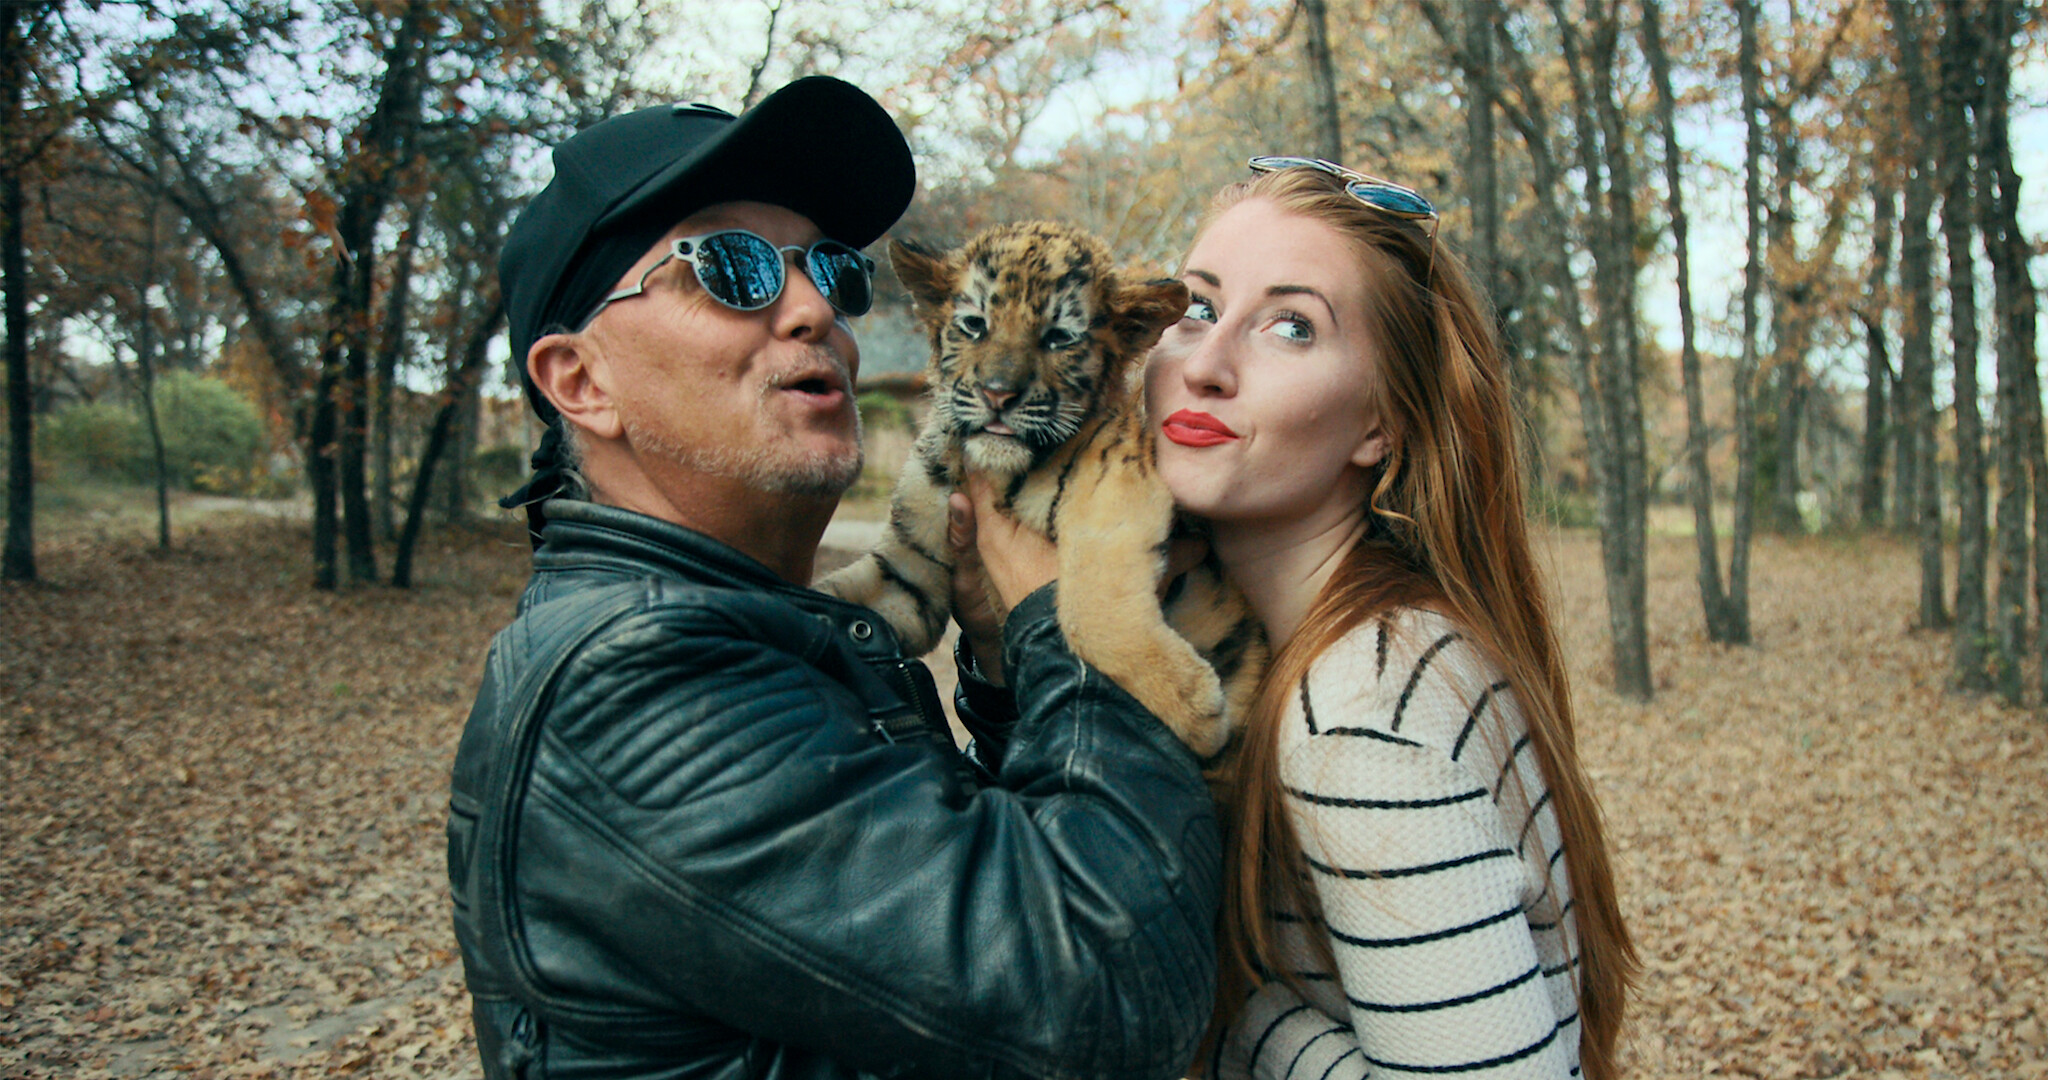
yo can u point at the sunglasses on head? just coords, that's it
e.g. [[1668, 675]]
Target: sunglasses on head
[[744, 271], [1384, 195]]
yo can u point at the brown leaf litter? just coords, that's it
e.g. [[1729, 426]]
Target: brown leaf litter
[[222, 796]]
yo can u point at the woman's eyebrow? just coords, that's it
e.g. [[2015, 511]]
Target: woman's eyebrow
[[1214, 281], [1300, 290]]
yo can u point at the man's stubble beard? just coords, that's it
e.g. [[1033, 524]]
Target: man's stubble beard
[[779, 467]]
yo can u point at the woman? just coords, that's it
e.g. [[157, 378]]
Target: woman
[[1417, 876]]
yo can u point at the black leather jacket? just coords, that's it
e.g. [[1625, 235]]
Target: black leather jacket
[[698, 829]]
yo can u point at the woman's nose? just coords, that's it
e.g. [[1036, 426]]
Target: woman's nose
[[1210, 367]]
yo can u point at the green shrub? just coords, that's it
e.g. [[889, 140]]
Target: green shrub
[[882, 412], [213, 438], [1563, 509], [97, 438]]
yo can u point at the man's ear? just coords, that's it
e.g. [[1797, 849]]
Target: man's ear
[[573, 376]]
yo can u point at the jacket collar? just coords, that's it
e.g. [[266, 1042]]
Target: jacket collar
[[585, 545], [584, 537]]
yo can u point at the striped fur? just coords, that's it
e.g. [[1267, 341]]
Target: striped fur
[[1033, 329]]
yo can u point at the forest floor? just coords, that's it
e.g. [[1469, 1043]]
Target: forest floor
[[222, 794]]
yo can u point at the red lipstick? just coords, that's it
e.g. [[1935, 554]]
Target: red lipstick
[[1190, 428]]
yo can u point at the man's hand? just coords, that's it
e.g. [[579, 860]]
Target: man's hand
[[974, 608], [998, 562], [1016, 561]]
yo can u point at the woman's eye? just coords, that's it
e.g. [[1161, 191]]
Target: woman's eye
[[1199, 308], [1291, 328], [974, 326]]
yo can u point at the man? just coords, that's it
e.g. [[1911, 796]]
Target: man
[[702, 824]]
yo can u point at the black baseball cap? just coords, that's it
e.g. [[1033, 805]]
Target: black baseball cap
[[818, 146]]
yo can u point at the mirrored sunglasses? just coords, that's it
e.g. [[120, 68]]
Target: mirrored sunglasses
[[1384, 195], [744, 271]]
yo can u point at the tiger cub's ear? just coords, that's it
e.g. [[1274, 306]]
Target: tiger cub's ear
[[1142, 311], [928, 274]]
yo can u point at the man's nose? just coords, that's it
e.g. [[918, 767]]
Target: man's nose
[[802, 311]]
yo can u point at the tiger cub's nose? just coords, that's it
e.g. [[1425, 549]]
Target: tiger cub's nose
[[999, 392]]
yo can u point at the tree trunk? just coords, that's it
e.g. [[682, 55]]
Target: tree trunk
[[461, 386], [1905, 478], [353, 408], [2014, 307], [1480, 162], [365, 182], [1611, 226], [1482, 18], [1744, 378], [1788, 361], [1530, 116], [1969, 652], [390, 349], [1877, 355], [320, 461], [462, 448], [19, 561], [1723, 623], [145, 363], [1323, 70], [1916, 278]]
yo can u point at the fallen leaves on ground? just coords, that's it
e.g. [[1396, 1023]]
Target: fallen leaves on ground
[[1831, 865], [223, 796]]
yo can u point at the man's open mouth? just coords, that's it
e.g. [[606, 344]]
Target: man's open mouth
[[822, 383]]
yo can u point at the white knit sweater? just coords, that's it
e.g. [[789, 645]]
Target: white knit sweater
[[1442, 892]]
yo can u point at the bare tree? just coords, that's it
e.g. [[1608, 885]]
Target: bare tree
[[1916, 279], [363, 185], [1481, 160], [1726, 611], [1323, 74], [755, 91], [2014, 308], [1954, 164], [465, 372], [1483, 185], [1603, 376], [146, 368], [391, 349], [1611, 229], [1878, 377], [20, 28], [1752, 284]]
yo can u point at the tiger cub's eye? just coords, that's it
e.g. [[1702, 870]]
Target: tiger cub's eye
[[1058, 337], [974, 326]]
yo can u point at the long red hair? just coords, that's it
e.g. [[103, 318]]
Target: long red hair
[[1450, 534]]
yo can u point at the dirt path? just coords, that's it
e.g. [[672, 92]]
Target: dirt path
[[222, 798]]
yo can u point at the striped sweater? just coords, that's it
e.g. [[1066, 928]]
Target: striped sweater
[[1437, 863]]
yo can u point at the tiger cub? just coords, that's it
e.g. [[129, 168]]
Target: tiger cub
[[1037, 349]]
